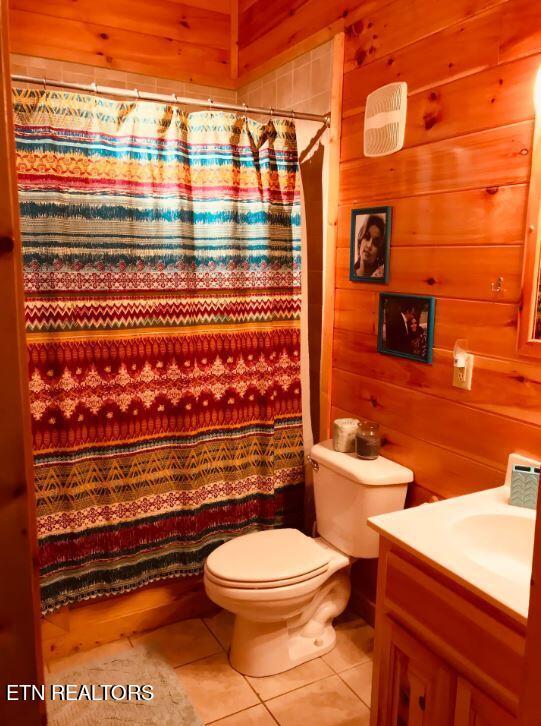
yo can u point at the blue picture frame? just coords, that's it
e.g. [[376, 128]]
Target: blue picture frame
[[378, 276], [404, 343]]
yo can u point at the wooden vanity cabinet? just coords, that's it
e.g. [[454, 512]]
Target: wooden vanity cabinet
[[420, 688], [475, 708], [443, 656]]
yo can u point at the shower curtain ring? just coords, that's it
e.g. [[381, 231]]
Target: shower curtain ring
[[211, 105], [44, 81], [175, 100], [137, 93], [245, 107]]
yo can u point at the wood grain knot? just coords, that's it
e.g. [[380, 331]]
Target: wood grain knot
[[360, 56], [431, 281], [492, 190], [430, 120], [6, 244], [19, 491], [355, 29]]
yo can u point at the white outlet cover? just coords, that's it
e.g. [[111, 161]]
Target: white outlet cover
[[467, 372]]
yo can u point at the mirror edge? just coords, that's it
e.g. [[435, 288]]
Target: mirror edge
[[526, 343]]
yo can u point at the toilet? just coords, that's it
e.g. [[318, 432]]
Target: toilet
[[286, 588]]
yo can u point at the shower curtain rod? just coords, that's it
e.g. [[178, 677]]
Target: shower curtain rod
[[171, 99]]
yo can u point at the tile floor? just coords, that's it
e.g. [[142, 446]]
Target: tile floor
[[333, 690]]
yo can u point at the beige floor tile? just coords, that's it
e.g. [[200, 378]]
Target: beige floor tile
[[354, 645], [79, 659], [359, 679], [215, 689], [221, 625], [271, 686], [326, 703], [255, 716], [181, 642]]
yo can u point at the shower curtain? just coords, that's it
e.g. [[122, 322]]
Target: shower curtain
[[162, 281]]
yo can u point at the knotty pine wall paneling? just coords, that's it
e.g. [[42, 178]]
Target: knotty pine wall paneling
[[458, 191], [20, 645], [270, 37], [188, 41]]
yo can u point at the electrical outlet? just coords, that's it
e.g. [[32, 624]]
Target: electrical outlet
[[462, 375]]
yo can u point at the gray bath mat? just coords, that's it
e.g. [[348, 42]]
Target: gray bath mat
[[169, 707]]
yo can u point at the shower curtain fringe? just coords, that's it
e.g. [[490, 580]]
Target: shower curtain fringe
[[171, 99]]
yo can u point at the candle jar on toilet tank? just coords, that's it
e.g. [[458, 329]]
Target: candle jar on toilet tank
[[367, 440]]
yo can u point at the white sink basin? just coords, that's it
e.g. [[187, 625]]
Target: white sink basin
[[479, 539], [502, 543]]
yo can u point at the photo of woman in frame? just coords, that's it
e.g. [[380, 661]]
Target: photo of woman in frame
[[370, 241]]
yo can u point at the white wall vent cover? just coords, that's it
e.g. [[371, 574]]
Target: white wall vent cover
[[385, 119]]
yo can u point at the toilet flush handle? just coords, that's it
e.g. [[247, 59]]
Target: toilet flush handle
[[315, 465]]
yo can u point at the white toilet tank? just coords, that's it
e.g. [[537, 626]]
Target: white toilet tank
[[349, 490]]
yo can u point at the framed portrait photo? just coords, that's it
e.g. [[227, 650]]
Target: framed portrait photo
[[406, 326], [370, 244]]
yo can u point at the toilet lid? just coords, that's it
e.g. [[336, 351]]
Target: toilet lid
[[270, 556]]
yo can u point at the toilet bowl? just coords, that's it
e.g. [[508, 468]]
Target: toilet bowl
[[286, 588]]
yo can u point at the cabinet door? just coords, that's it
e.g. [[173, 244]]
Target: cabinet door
[[416, 687], [475, 708]]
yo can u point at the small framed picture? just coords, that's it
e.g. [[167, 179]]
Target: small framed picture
[[370, 244], [406, 326]]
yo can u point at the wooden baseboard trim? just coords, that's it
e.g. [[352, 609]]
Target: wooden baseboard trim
[[87, 625]]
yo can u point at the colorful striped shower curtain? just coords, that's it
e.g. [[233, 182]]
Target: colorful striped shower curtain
[[162, 278]]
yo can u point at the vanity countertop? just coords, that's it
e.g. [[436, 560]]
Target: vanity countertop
[[479, 540]]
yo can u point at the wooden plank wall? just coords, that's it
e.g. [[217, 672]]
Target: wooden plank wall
[[188, 41], [459, 190], [20, 645], [269, 39]]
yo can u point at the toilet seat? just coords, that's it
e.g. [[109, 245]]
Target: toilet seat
[[267, 559], [239, 584]]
